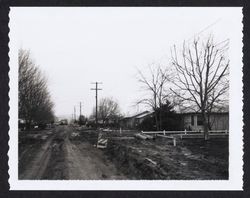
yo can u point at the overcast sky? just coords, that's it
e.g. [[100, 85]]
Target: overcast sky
[[77, 46]]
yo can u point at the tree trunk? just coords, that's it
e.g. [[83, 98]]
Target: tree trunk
[[205, 126], [156, 122], [160, 119]]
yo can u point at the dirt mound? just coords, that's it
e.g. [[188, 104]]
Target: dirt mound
[[133, 161], [141, 159]]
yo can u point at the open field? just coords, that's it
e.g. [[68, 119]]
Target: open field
[[70, 153]]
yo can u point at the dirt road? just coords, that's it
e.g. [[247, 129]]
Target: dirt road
[[56, 156]]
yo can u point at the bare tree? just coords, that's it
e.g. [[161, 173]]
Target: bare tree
[[35, 103], [155, 86], [201, 80], [108, 109]]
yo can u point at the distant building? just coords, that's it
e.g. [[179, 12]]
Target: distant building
[[21, 124], [63, 122], [132, 122], [217, 121]]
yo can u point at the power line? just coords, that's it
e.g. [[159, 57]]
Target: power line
[[204, 29], [96, 99], [80, 109]]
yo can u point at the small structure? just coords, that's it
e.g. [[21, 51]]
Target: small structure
[[102, 142]]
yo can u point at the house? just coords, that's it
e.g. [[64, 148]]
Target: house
[[217, 121], [132, 122], [21, 124], [191, 121]]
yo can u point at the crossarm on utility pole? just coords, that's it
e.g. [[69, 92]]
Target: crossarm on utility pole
[[96, 99]]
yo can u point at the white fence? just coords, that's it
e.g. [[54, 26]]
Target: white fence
[[118, 130], [185, 132], [174, 135]]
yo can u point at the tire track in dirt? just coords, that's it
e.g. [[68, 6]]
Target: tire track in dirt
[[57, 167], [79, 167], [87, 162], [59, 158], [37, 166]]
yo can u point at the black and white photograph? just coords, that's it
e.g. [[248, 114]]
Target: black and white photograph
[[146, 98]]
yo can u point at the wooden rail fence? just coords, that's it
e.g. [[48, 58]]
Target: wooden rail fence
[[174, 135]]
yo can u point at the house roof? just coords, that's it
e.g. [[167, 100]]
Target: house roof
[[191, 113], [138, 115], [216, 109], [144, 114]]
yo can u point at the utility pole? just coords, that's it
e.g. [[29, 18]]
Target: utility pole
[[80, 109], [75, 113], [96, 100], [80, 117]]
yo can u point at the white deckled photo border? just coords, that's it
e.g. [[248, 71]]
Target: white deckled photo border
[[235, 181]]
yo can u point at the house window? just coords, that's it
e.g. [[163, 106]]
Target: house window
[[199, 120], [192, 120]]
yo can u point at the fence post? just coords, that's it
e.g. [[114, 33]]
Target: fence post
[[185, 131], [174, 141], [164, 132]]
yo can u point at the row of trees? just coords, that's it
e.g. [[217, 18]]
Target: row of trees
[[197, 79], [34, 101]]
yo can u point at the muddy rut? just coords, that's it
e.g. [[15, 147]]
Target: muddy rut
[[60, 158]]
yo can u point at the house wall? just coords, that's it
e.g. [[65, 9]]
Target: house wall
[[127, 123], [188, 123], [217, 122], [132, 123]]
